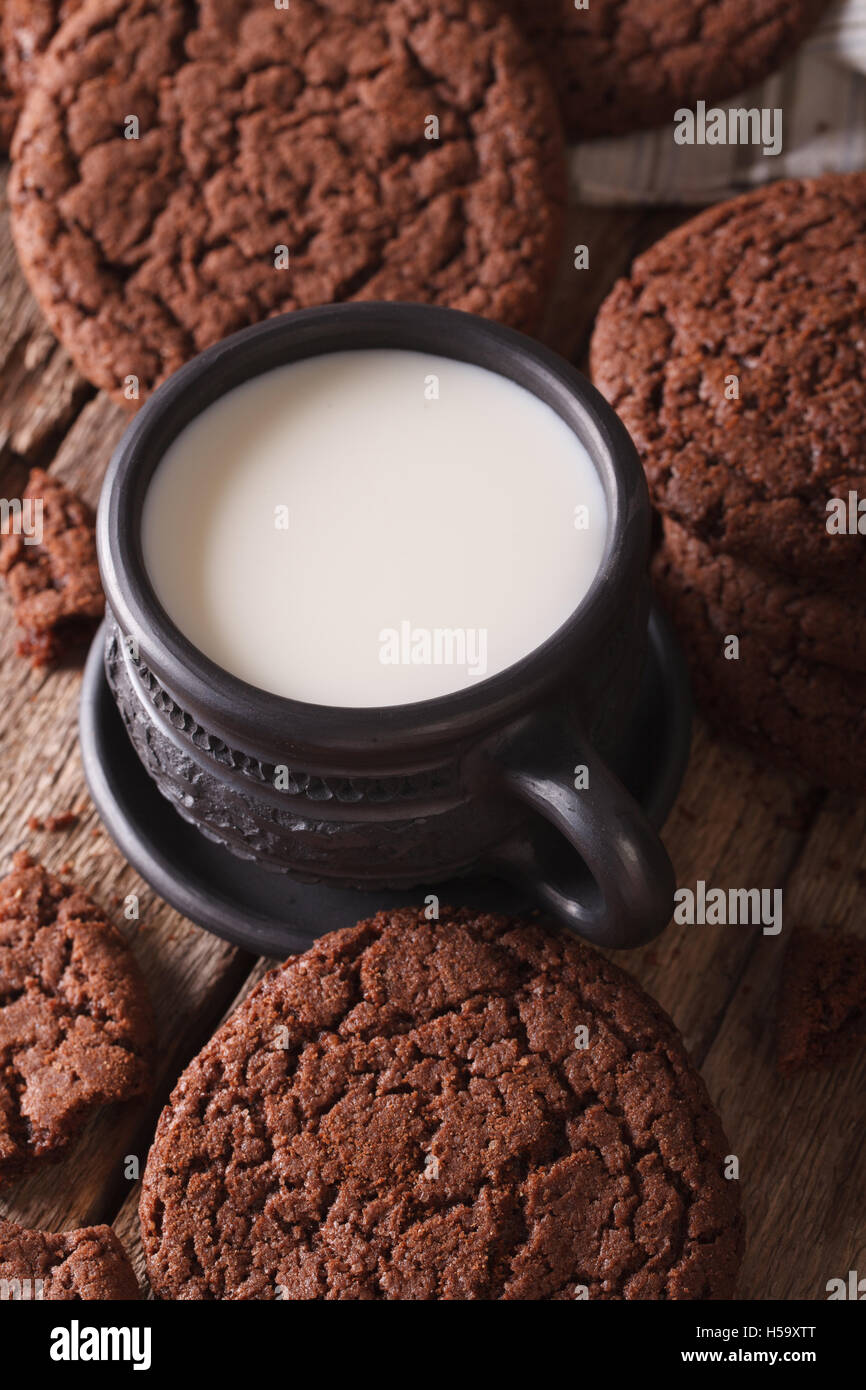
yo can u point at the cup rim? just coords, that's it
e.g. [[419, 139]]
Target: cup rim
[[257, 719]]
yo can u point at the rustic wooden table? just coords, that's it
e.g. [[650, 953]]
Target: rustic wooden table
[[800, 1143]]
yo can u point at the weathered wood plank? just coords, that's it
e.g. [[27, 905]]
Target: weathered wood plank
[[801, 1141], [735, 825], [800, 1145]]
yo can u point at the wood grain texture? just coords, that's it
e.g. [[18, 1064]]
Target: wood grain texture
[[802, 1142], [735, 825]]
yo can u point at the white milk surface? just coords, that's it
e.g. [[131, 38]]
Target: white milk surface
[[335, 532]]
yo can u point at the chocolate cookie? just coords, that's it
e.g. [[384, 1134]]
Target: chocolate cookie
[[785, 616], [280, 160], [821, 1015], [622, 65], [766, 296], [75, 1022], [89, 1263], [808, 716], [50, 567], [26, 29], [8, 109], [470, 1108]]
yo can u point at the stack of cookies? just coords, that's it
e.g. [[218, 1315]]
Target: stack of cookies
[[735, 353]]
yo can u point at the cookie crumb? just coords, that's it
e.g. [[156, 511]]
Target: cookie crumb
[[65, 820], [51, 572]]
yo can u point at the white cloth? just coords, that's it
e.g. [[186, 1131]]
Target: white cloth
[[822, 93]]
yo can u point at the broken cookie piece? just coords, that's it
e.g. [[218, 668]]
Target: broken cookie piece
[[75, 1020], [48, 559], [89, 1263]]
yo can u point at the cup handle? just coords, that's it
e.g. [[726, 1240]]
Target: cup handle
[[591, 857]]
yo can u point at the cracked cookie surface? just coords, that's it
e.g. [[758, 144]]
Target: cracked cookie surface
[[53, 581], [75, 1021], [89, 1263], [404, 1113], [8, 110], [806, 715], [785, 616], [622, 65], [26, 29], [769, 288], [262, 128]]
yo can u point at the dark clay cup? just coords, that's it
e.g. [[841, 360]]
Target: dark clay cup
[[482, 780]]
